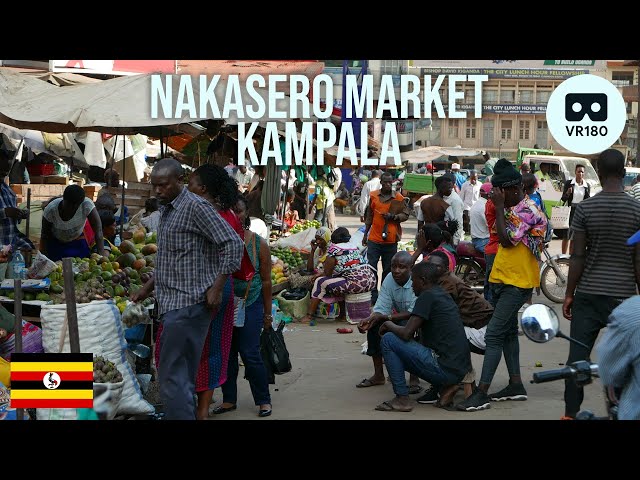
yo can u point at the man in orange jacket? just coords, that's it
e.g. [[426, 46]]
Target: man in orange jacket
[[384, 214]]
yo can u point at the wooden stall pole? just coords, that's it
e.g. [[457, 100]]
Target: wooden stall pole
[[70, 298], [17, 310], [28, 220], [124, 169]]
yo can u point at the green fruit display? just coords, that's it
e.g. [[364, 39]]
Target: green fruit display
[[43, 297]]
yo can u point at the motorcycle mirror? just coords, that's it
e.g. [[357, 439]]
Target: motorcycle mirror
[[540, 323]]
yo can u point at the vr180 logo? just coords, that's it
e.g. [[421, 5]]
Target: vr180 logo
[[586, 114], [579, 105]]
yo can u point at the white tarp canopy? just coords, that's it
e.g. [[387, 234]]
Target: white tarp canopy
[[428, 154], [17, 87], [120, 105], [59, 144]]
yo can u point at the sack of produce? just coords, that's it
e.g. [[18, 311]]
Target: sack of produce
[[102, 334]]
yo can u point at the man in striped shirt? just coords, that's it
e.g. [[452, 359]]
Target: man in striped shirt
[[197, 251], [600, 273]]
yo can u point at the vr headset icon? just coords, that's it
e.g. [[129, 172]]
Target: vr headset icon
[[577, 105]]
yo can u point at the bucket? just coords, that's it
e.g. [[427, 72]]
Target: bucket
[[358, 306]]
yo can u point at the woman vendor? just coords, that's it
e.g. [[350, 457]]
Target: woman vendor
[[345, 271], [317, 256], [63, 226]]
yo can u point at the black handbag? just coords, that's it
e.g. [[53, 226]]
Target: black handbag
[[274, 352]]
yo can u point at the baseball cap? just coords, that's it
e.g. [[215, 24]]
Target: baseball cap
[[486, 188], [633, 239], [455, 166]]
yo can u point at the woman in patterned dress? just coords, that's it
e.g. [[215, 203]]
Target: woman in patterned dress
[[346, 271]]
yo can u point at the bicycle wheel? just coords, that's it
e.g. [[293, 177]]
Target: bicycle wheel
[[551, 284], [471, 273]]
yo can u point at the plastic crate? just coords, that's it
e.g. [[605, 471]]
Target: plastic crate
[[41, 169]]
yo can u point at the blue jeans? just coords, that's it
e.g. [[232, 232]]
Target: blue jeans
[[502, 330], [184, 332], [375, 251], [488, 294], [400, 356], [480, 243], [246, 341]]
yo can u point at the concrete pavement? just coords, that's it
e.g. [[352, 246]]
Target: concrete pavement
[[327, 366]]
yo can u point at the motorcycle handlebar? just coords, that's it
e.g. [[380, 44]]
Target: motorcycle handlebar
[[551, 375]]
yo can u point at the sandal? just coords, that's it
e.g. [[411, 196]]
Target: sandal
[[366, 382], [220, 409], [390, 407]]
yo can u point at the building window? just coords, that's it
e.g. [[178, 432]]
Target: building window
[[392, 67], [453, 128], [622, 79], [507, 96], [523, 133], [526, 96], [543, 96], [469, 96], [628, 105], [490, 96], [470, 131], [505, 133]]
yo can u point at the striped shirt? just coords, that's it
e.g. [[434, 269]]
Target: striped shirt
[[608, 219], [619, 357], [195, 245]]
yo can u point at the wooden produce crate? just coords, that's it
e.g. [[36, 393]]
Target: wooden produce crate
[[50, 179], [136, 194]]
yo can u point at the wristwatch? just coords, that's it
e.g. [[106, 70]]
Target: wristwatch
[[389, 318]]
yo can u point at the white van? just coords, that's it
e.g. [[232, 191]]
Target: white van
[[561, 169], [630, 177]]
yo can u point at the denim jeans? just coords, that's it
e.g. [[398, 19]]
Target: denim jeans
[[502, 330], [184, 332], [488, 293], [246, 341], [400, 356], [375, 251], [590, 315], [480, 243]]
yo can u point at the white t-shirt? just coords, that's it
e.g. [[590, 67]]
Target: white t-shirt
[[259, 228], [476, 337], [478, 220], [456, 212], [71, 229], [371, 186], [578, 191]]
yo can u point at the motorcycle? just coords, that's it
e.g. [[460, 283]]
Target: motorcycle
[[554, 273], [540, 324], [470, 265], [554, 270]]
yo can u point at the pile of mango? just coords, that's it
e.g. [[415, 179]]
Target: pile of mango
[[115, 277], [301, 226], [292, 258]]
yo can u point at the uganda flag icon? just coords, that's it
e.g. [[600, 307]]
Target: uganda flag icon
[[52, 380]]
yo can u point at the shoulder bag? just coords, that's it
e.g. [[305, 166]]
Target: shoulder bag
[[239, 303]]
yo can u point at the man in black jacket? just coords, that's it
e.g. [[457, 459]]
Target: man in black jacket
[[573, 192]]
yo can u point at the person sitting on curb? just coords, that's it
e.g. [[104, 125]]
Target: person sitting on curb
[[475, 313], [521, 228], [396, 295], [443, 358]]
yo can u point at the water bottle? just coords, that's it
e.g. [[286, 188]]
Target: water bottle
[[275, 306], [117, 241], [19, 266]]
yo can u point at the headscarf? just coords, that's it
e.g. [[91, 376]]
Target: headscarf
[[324, 233], [505, 174]]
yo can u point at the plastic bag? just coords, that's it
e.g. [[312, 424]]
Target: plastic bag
[[41, 266], [134, 314], [274, 352]]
